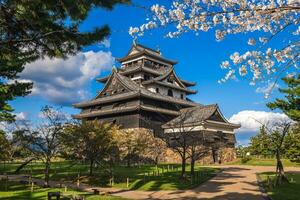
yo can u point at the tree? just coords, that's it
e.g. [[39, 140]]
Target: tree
[[259, 144], [274, 23], [184, 139], [278, 142], [293, 144], [43, 141], [133, 143], [4, 146], [34, 29], [291, 104], [91, 141]]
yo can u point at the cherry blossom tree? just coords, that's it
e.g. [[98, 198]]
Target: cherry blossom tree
[[273, 51]]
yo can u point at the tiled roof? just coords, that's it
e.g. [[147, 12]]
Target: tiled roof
[[125, 109], [142, 50], [195, 115], [136, 90]]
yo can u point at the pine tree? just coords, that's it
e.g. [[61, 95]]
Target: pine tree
[[33, 29], [291, 104]]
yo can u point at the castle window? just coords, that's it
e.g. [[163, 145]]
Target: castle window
[[170, 92], [157, 90], [181, 96], [146, 77]]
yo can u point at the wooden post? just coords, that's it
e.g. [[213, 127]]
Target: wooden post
[[127, 182], [78, 181], [6, 183], [112, 181], [32, 184], [66, 188]]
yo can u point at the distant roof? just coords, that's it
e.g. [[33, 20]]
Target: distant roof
[[197, 115]]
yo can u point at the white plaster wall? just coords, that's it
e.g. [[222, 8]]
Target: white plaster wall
[[164, 91]]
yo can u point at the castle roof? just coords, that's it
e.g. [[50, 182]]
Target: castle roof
[[138, 50], [135, 91], [197, 115]]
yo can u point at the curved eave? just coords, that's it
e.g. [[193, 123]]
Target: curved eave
[[228, 124], [172, 86], [102, 79], [188, 83], [129, 57], [124, 109], [107, 99]]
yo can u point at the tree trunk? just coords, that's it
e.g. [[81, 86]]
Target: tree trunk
[[280, 176], [47, 172], [23, 165], [192, 167], [91, 167], [183, 164], [128, 160]]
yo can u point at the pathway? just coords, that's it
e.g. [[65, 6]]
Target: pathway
[[234, 183]]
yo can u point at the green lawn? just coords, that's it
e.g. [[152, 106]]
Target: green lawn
[[264, 162], [287, 191], [16, 191], [146, 177]]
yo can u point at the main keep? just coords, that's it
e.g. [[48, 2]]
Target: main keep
[[146, 92]]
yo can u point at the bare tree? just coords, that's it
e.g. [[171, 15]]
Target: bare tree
[[43, 141]]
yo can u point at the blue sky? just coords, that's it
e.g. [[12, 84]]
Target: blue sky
[[199, 59]]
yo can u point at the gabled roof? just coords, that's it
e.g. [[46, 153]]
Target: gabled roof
[[142, 50], [197, 115], [137, 68], [164, 76], [134, 91]]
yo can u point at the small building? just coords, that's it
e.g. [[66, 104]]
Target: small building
[[145, 92]]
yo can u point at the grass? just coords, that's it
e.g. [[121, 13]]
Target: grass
[[264, 162], [286, 191], [145, 177], [16, 191]]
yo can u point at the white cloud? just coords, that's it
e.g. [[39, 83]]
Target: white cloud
[[9, 127], [65, 81], [267, 89], [105, 43], [21, 116], [252, 120]]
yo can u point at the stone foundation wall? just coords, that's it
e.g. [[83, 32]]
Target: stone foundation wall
[[223, 155]]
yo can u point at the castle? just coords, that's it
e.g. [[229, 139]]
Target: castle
[[145, 92]]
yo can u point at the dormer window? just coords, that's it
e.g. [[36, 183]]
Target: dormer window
[[157, 90], [170, 92]]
